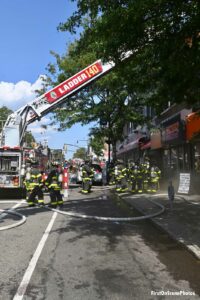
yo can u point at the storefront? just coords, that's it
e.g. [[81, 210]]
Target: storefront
[[129, 151], [134, 150], [193, 139], [155, 153], [176, 152]]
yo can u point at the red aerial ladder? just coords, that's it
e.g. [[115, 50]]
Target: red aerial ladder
[[11, 139]]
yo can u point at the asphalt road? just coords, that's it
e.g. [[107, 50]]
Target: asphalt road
[[54, 256]]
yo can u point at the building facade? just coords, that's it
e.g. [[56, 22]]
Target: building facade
[[173, 143]]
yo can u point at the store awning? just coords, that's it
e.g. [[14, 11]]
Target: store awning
[[128, 147], [193, 126], [132, 145], [146, 146]]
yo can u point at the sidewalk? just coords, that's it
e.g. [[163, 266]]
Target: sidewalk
[[182, 223]]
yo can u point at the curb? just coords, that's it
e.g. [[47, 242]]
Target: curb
[[193, 249]]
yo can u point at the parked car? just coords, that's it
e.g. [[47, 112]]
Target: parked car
[[97, 179], [73, 175], [72, 178], [79, 174]]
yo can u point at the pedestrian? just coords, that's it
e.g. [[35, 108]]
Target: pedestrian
[[171, 194]]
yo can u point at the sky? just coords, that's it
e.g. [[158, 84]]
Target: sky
[[28, 32]]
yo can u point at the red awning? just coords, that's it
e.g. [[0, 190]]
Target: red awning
[[192, 125], [130, 146], [146, 146]]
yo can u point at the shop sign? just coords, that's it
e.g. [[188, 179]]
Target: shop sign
[[184, 183], [156, 139], [173, 130]]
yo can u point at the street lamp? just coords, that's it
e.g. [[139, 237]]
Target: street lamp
[[65, 146], [82, 141]]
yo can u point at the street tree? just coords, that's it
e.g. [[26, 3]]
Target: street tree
[[4, 113], [96, 142], [29, 139], [80, 153], [164, 37], [108, 99]]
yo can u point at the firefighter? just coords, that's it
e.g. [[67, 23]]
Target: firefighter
[[121, 173], [146, 175], [35, 185], [55, 186], [26, 182], [44, 180], [129, 166], [133, 176], [139, 178], [87, 176], [154, 178]]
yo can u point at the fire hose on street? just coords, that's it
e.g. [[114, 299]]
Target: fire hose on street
[[83, 216], [4, 212], [112, 219]]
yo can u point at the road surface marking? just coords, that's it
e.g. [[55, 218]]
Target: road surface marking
[[31, 267]]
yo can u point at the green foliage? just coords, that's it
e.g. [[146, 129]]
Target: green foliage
[[164, 38], [97, 141], [80, 153], [163, 35], [104, 99], [29, 139], [4, 113]]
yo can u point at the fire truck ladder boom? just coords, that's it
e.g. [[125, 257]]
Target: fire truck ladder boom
[[16, 123]]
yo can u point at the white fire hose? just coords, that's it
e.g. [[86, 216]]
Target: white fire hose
[[83, 216], [4, 212], [113, 219]]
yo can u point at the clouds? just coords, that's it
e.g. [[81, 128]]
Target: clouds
[[15, 95], [39, 131]]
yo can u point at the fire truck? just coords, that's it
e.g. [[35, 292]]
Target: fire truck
[[12, 154]]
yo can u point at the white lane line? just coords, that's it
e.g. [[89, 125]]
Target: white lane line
[[31, 267]]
